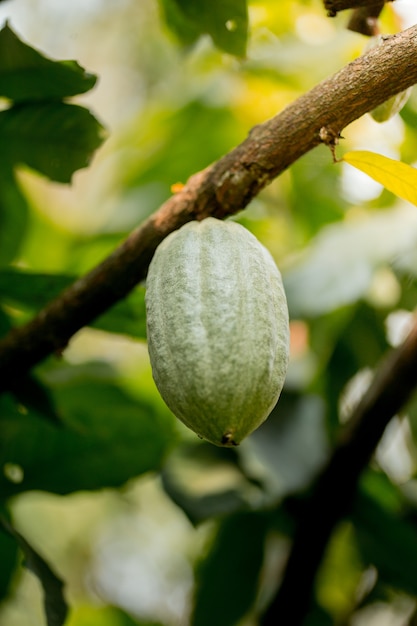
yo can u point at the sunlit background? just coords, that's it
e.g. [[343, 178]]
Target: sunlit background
[[170, 112]]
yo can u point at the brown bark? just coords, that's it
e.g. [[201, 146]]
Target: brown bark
[[365, 20], [334, 6]]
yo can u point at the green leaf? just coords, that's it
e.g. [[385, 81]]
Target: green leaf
[[177, 154], [9, 554], [56, 608], [184, 473], [104, 616], [107, 438], [13, 215], [340, 573], [376, 483], [338, 267], [359, 345], [32, 291], [314, 194], [5, 323], [29, 290], [54, 138], [226, 21], [25, 74], [227, 579], [31, 394], [127, 317], [179, 24], [317, 616], [397, 177], [291, 446], [387, 541]]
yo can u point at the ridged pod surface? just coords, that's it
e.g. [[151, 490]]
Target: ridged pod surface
[[218, 334]]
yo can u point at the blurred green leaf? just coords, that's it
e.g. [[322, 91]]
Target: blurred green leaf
[[317, 616], [25, 74], [107, 438], [386, 493], [291, 445], [359, 345], [227, 579], [127, 317], [5, 323], [9, 559], [104, 616], [32, 291], [13, 214], [408, 286], [411, 413], [340, 573], [184, 477], [31, 394], [184, 28], [226, 21], [54, 138], [314, 194], [168, 149], [387, 541], [338, 266], [56, 608]]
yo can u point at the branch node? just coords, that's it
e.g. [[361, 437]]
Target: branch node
[[330, 137]]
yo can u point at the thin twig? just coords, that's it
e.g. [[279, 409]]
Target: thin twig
[[334, 6], [222, 189], [365, 20]]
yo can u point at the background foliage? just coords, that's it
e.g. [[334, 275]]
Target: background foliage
[[100, 486]]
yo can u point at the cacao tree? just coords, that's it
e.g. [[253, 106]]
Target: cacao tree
[[113, 512]]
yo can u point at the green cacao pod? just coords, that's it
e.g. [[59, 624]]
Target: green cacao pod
[[218, 333]]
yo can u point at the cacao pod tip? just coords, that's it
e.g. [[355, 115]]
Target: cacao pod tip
[[227, 439]]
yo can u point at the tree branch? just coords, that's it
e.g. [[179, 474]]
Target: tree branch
[[334, 6], [365, 20], [334, 491], [222, 189]]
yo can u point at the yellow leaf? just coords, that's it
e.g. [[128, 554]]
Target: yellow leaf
[[397, 177]]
